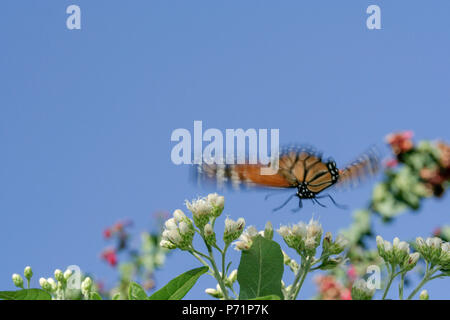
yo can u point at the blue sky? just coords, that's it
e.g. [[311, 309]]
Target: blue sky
[[86, 115]]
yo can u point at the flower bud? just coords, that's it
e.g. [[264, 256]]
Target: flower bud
[[201, 210], [210, 236], [170, 224], [67, 274], [233, 276], [233, 229], [360, 291], [411, 262], [167, 244], [18, 281], [327, 241], [86, 286], [45, 285], [214, 293], [217, 202], [52, 283], [179, 215], [268, 231], [59, 275], [424, 295], [28, 273]]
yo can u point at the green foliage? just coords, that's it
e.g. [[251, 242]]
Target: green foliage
[[178, 287], [260, 270], [25, 294], [136, 292]]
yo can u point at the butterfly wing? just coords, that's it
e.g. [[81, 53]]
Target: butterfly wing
[[367, 165]]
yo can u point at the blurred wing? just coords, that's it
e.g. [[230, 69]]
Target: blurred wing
[[294, 163], [238, 175], [367, 165]]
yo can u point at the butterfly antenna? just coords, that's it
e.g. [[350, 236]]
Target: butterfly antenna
[[285, 203], [340, 206]]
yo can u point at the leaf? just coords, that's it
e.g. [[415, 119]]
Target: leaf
[[116, 296], [136, 292], [261, 269], [95, 296], [269, 297], [25, 294], [178, 287]]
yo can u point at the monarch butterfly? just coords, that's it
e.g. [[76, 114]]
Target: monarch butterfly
[[299, 167]]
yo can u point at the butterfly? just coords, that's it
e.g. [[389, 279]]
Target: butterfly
[[300, 168]]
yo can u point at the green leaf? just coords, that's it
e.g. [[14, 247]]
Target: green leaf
[[260, 270], [116, 296], [269, 297], [95, 296], [25, 294], [177, 288], [136, 292]]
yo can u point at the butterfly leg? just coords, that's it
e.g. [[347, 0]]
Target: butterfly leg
[[334, 202], [300, 205], [317, 201], [285, 203]]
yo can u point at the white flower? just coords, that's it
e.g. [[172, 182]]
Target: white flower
[[216, 200], [341, 241], [420, 242], [179, 215], [434, 242], [387, 246], [28, 273], [17, 279], [184, 228], [380, 242], [314, 229], [167, 244], [403, 246], [171, 224], [67, 274], [283, 231], [301, 230], [59, 275], [424, 295], [43, 283], [199, 207], [445, 247]]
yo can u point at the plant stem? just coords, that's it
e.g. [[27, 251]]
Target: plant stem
[[217, 274], [427, 277], [391, 278], [299, 279], [401, 285]]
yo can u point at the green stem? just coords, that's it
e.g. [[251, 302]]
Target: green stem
[[217, 274], [391, 278], [427, 277], [299, 279], [402, 284]]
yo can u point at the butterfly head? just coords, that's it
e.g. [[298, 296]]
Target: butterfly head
[[303, 192]]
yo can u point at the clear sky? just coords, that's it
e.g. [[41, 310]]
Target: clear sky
[[86, 115]]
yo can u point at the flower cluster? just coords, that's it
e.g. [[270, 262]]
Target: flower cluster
[[205, 209], [424, 172], [305, 238], [331, 289], [57, 287], [361, 291], [397, 253], [435, 251], [400, 142], [178, 233]]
